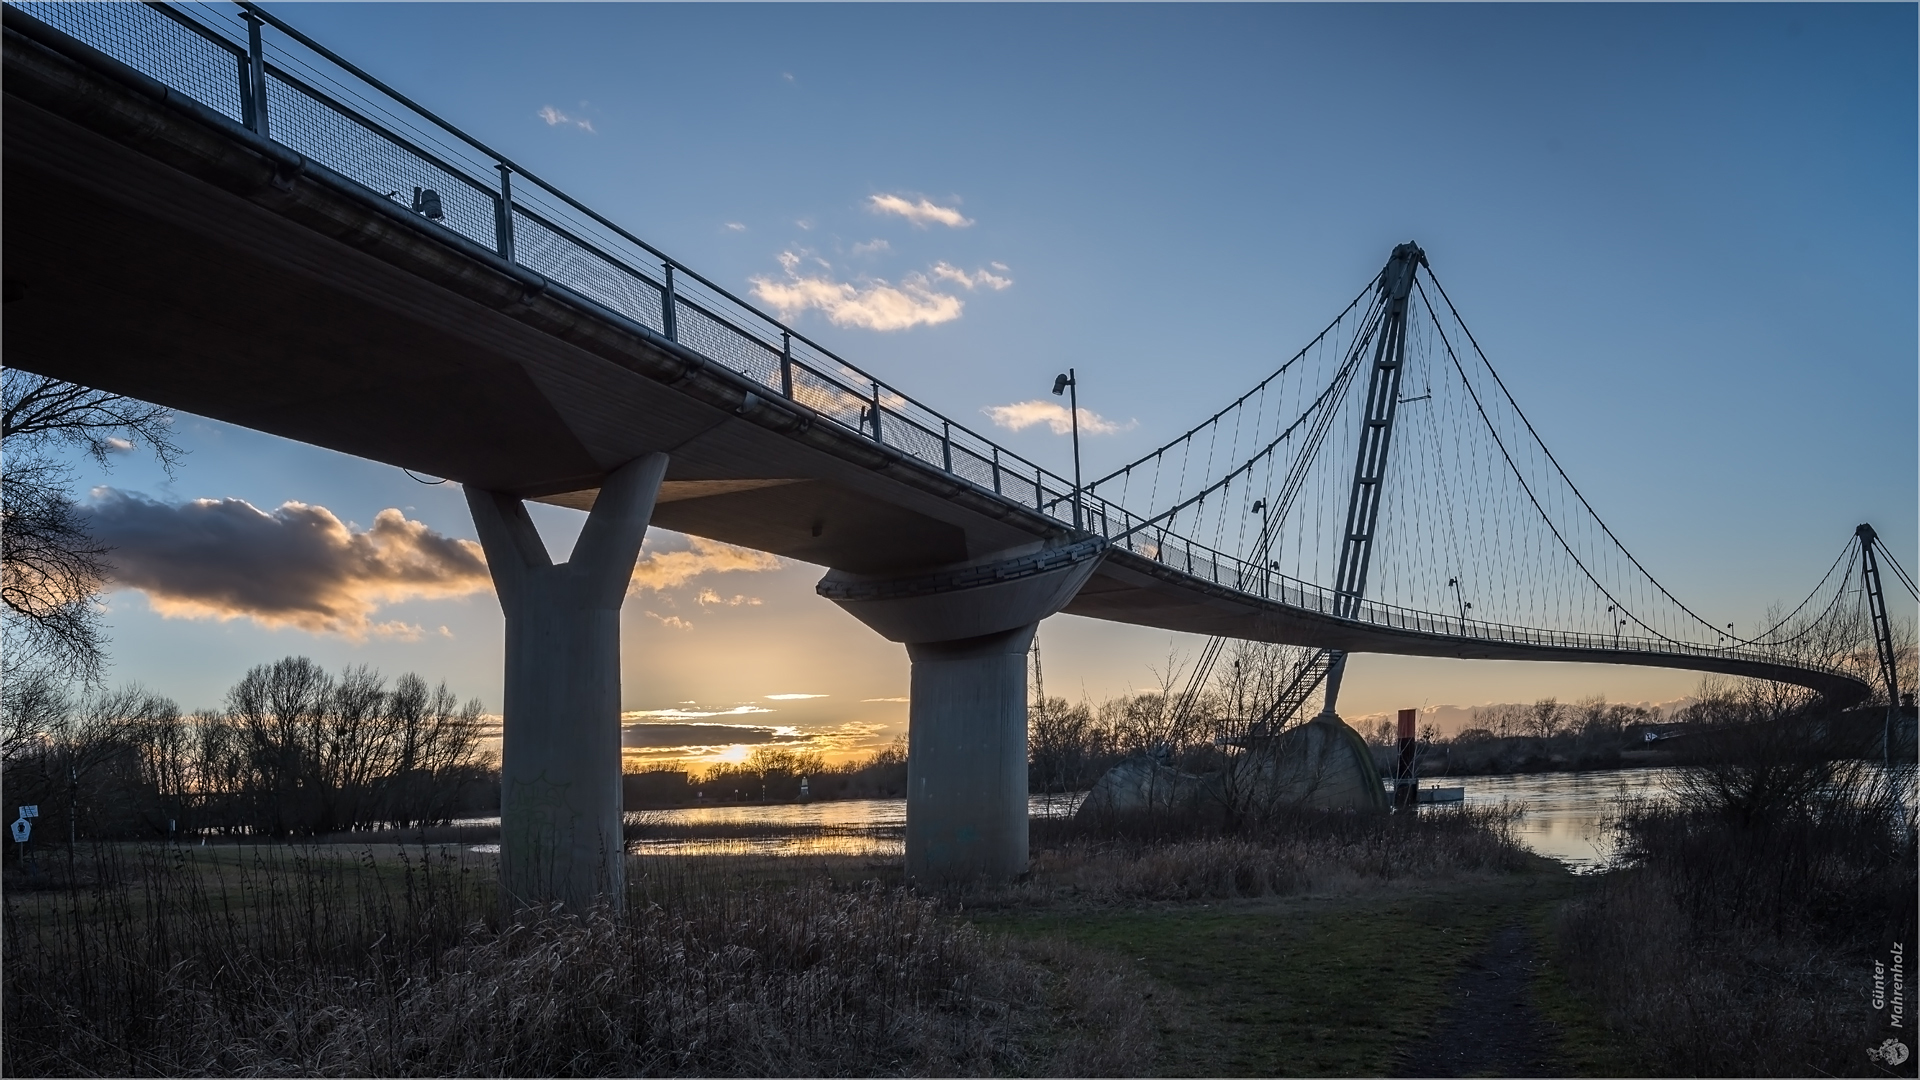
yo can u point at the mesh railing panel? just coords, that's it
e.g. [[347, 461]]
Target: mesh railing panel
[[1019, 488], [714, 338], [302, 119], [911, 437], [553, 254], [974, 468], [828, 398], [154, 45]]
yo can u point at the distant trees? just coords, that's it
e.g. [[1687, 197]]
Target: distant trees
[[51, 568], [297, 751]]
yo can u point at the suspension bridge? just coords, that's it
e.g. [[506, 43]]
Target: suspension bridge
[[235, 221]]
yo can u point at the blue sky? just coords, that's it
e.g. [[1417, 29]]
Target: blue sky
[[1684, 234]]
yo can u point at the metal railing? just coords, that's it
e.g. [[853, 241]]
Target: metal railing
[[284, 86], [1238, 575]]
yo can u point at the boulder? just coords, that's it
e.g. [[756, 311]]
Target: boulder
[[1320, 765], [1142, 787]]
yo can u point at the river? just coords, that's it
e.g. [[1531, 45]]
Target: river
[[1564, 818]]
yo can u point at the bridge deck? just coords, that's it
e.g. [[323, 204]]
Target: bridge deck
[[172, 255]]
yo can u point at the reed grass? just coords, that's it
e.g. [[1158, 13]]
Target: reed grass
[[294, 961], [1303, 851]]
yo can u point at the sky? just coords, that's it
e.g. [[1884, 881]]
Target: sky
[[1684, 234]]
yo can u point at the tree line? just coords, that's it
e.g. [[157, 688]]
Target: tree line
[[296, 751]]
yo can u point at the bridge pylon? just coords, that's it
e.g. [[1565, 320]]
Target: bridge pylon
[[1376, 437]]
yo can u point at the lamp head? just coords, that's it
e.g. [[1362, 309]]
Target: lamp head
[[1060, 383], [1259, 506]]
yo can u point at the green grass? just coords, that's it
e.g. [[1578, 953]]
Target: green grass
[[1304, 986], [1587, 1046]]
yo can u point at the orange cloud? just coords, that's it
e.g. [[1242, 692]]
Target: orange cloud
[[297, 566], [658, 570]]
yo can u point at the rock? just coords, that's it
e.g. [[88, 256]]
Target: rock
[[1142, 787], [1320, 765]]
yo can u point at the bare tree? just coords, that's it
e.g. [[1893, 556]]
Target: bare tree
[[1546, 718], [277, 709], [51, 568]]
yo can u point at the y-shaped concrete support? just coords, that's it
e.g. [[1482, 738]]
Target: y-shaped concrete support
[[967, 630], [560, 836]]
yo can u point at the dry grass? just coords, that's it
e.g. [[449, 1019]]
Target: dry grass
[[1305, 852], [328, 966], [273, 960]]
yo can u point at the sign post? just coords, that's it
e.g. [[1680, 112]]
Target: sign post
[[23, 828]]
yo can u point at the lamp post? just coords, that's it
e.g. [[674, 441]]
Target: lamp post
[[1260, 546], [1071, 386]]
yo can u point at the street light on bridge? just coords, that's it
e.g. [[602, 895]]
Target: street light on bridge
[[1071, 386]]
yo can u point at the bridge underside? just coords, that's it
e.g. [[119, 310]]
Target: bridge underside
[[150, 256]]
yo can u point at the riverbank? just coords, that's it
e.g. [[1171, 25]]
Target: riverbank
[[1336, 945]]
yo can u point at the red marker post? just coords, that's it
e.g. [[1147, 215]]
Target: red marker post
[[1406, 786]]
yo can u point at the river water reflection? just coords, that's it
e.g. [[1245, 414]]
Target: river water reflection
[[872, 827], [1565, 813], [1564, 818]]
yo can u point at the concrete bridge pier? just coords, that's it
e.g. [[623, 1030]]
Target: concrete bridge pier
[[560, 834], [967, 629]]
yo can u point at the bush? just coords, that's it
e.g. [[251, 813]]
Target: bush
[[1733, 939]]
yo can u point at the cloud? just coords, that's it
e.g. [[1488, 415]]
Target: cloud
[[689, 736], [1025, 414], [659, 570], [793, 697], [694, 713], [298, 566], [869, 303], [977, 279], [867, 699], [735, 226], [671, 622], [920, 213], [871, 247], [709, 598], [554, 118]]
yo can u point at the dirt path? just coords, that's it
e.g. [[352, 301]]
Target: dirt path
[[1490, 1029]]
